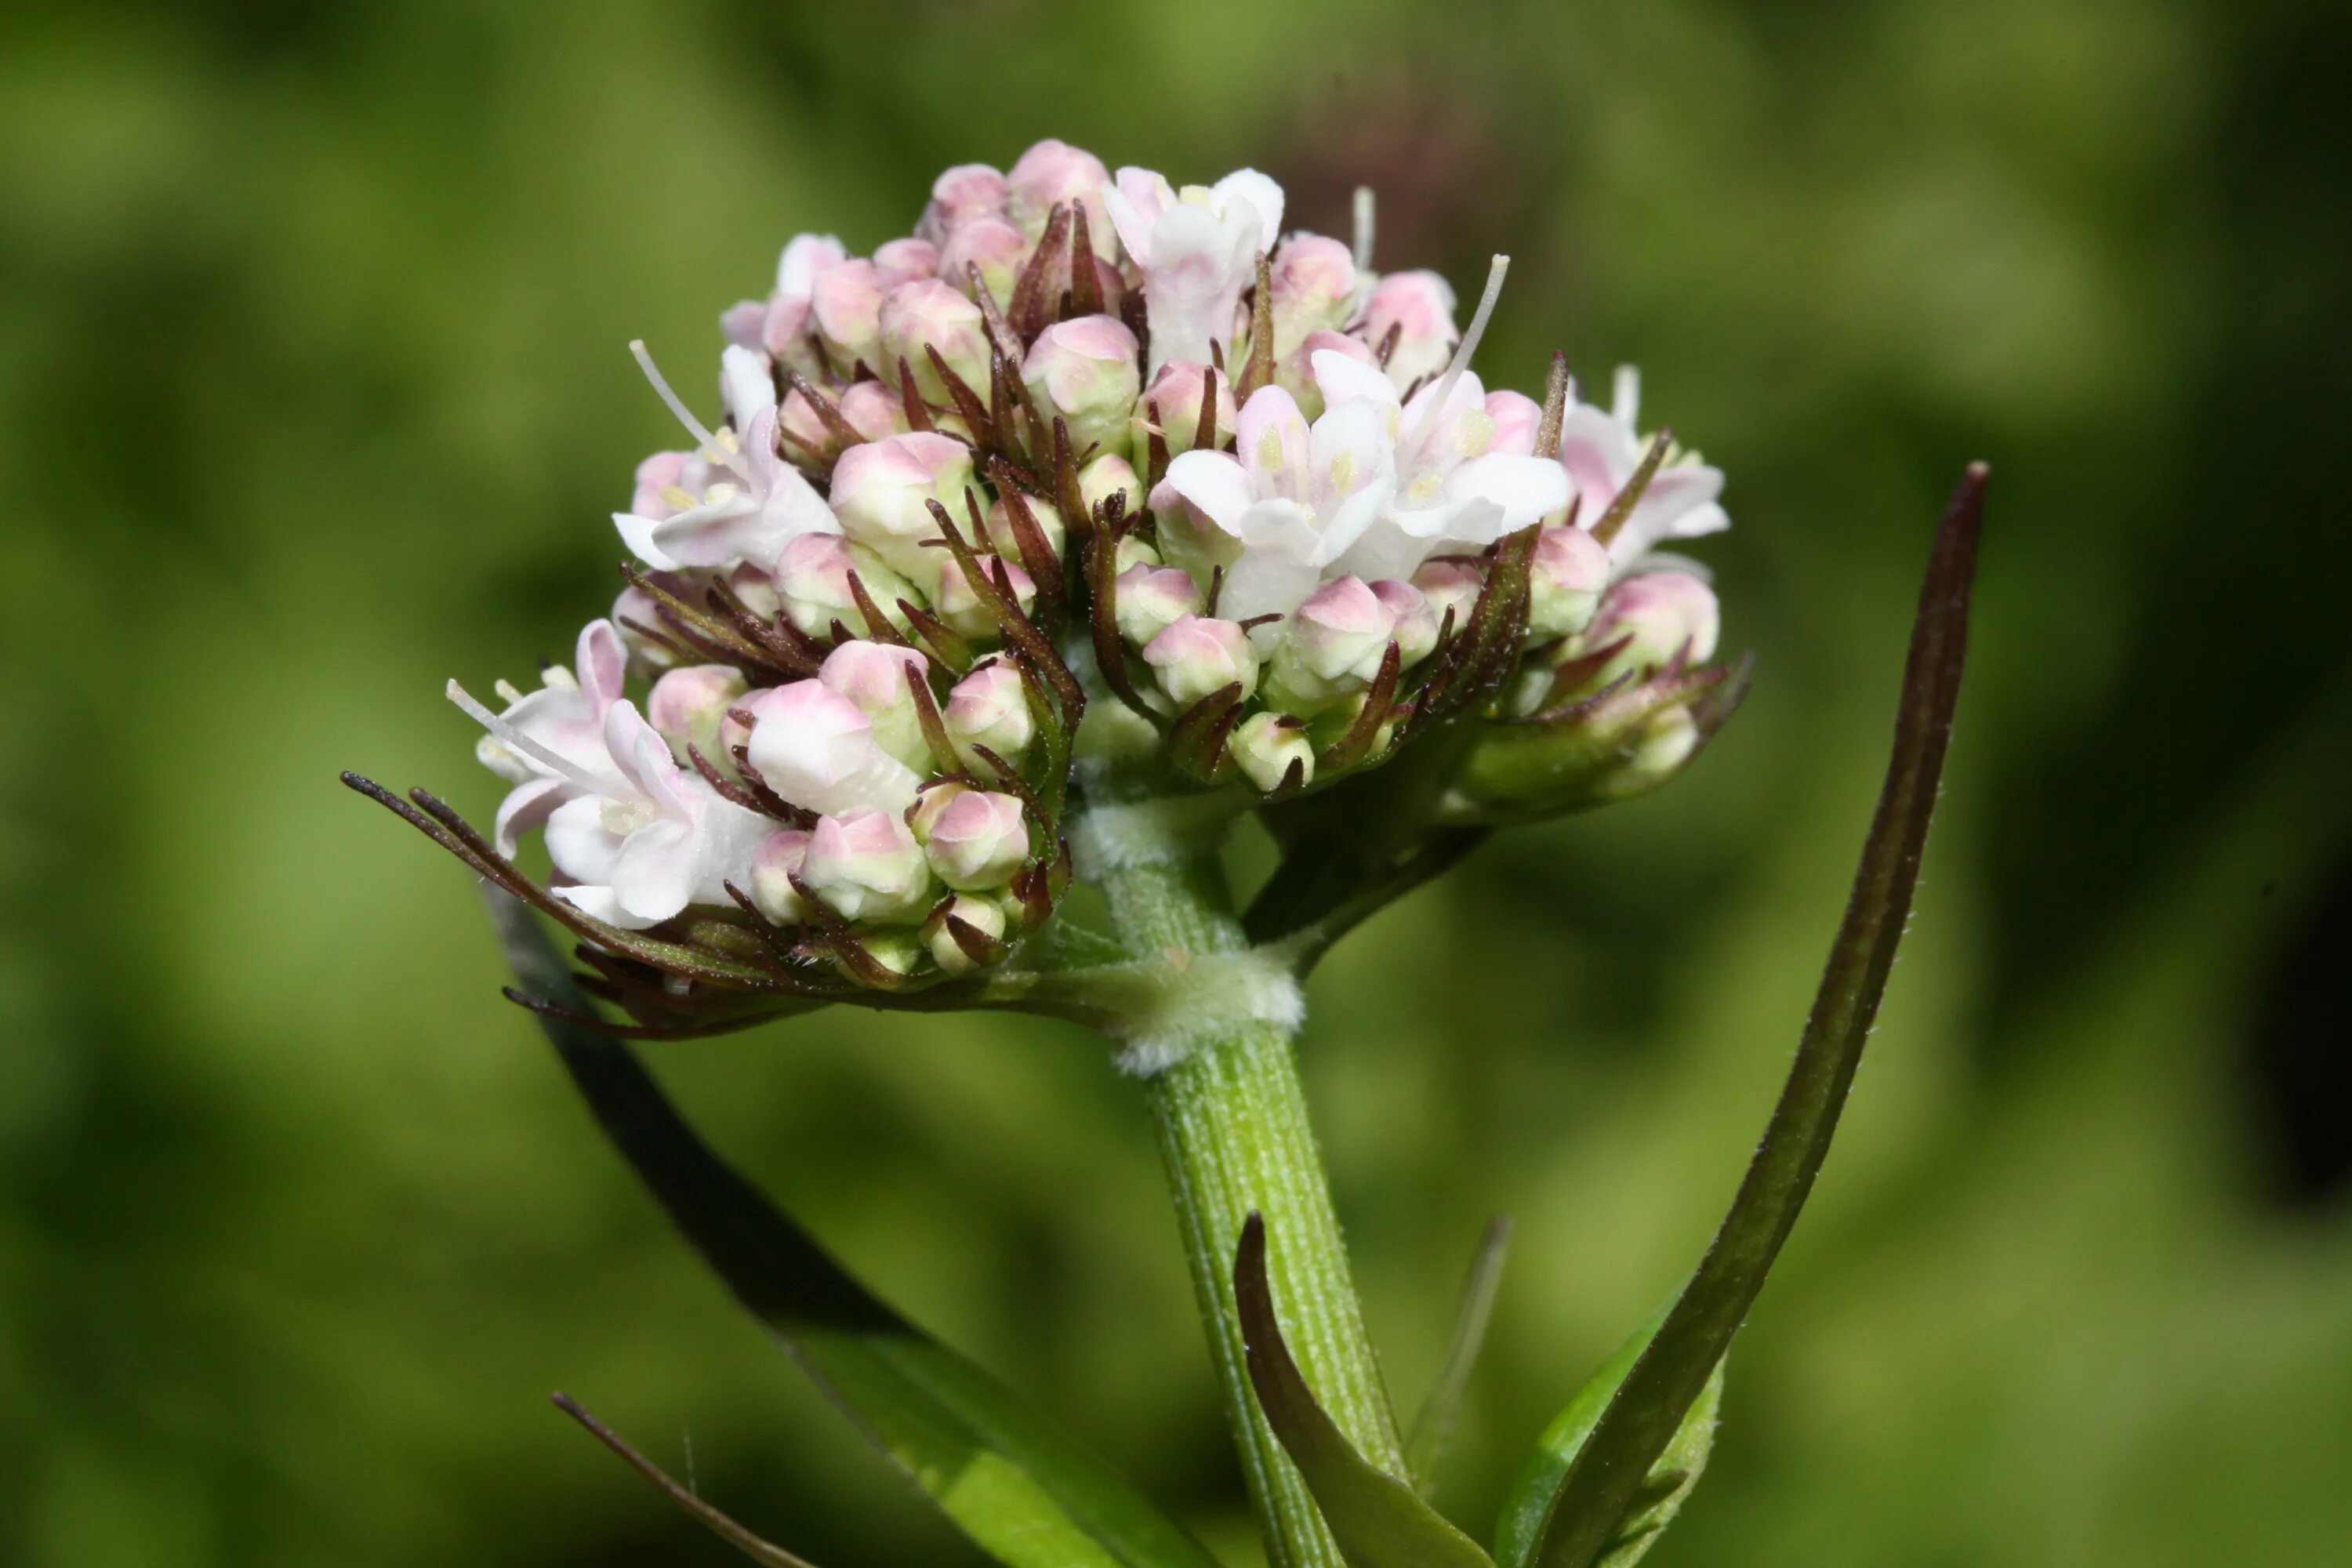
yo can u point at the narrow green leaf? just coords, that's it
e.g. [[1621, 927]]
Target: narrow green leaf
[[1426, 1448], [1641, 1419], [1655, 1502], [1377, 1519], [1022, 1490], [744, 1541]]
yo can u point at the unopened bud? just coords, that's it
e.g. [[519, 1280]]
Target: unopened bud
[[1048, 519], [636, 614], [1416, 623], [932, 314], [1148, 599], [1266, 746], [1451, 586], [1133, 551], [816, 748], [774, 864], [995, 248], [812, 581], [990, 707], [977, 841], [1108, 476], [980, 914], [958, 198], [874, 409], [1665, 615], [1564, 582], [866, 866], [1296, 376], [1054, 172], [1197, 654], [902, 261], [1333, 645], [1418, 308], [1174, 397], [882, 491], [846, 306], [1085, 370], [1516, 417], [880, 678], [1314, 290], [958, 604], [686, 707]]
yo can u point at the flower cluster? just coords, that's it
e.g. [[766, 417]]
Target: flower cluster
[[1079, 435]]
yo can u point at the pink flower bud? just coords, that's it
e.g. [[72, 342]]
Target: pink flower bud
[[1295, 374], [635, 608], [1420, 307], [904, 261], [879, 678], [1198, 655], [1049, 523], [1451, 586], [1054, 172], [866, 866], [1565, 580], [733, 732], [977, 841], [816, 748], [812, 580], [1133, 551], [990, 707], [1314, 290], [958, 604], [845, 304], [688, 705], [774, 864], [980, 914], [1516, 417], [963, 195], [1333, 645], [1108, 476], [881, 491], [1665, 613], [1416, 623], [931, 314], [994, 246], [928, 806], [1150, 599], [1175, 396], [1267, 745], [1085, 370], [874, 409]]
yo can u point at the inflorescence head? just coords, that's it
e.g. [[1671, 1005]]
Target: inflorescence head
[[1078, 437]]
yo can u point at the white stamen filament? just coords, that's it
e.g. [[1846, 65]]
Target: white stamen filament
[[1626, 396], [727, 453], [529, 747], [1363, 247], [1469, 345]]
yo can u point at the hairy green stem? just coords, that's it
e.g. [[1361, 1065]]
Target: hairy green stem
[[1235, 1134]]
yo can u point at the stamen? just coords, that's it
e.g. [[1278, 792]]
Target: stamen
[[1626, 396], [525, 744], [1461, 362], [726, 452], [1363, 247]]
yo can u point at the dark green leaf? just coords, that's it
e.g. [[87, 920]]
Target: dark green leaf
[[1021, 1490], [1427, 1446], [1377, 1519], [1595, 1498], [1661, 1493]]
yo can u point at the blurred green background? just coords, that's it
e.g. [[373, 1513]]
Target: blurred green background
[[314, 393]]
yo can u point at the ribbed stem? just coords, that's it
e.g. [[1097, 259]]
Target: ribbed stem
[[1235, 1134]]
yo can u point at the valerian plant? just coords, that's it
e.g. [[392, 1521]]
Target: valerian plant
[[1041, 546]]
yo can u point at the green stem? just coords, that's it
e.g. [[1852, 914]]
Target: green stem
[[1235, 1134]]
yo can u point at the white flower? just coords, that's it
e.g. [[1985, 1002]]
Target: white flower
[[653, 839], [1280, 509], [816, 748], [733, 498], [1599, 450], [549, 743], [779, 322], [1454, 493], [1198, 249]]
